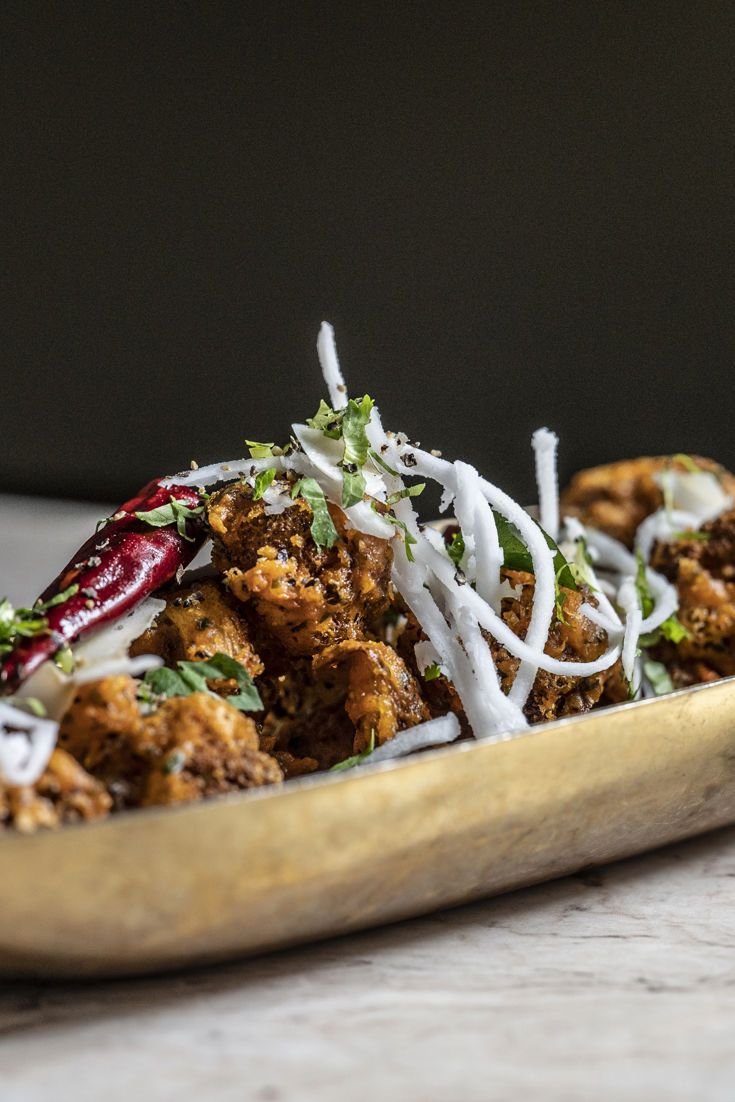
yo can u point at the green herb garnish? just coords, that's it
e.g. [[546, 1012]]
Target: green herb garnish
[[357, 446], [322, 529], [407, 491], [456, 548], [408, 539], [356, 758], [688, 462], [64, 659], [29, 704], [262, 482], [559, 596], [692, 535], [193, 677], [672, 628], [658, 676], [24, 623], [327, 421], [350, 424], [432, 672], [645, 597], [516, 555], [175, 512], [376, 458], [258, 450]]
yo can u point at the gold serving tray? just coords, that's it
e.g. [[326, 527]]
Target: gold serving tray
[[170, 887]]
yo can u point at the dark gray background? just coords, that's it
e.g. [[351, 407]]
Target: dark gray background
[[514, 214]]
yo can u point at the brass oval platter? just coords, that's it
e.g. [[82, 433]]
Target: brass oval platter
[[173, 887]]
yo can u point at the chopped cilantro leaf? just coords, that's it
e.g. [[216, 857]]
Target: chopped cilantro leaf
[[408, 540], [692, 535], [658, 677], [323, 531], [354, 421], [560, 596], [258, 450], [327, 420], [377, 458], [456, 548], [673, 629], [193, 677], [687, 462], [24, 623], [175, 512], [64, 659], [432, 672], [348, 763], [58, 599], [30, 704], [645, 596], [516, 555], [407, 491], [262, 482]]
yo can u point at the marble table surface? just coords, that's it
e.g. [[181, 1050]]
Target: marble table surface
[[615, 984]]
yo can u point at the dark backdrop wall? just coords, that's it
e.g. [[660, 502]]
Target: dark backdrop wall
[[514, 214]]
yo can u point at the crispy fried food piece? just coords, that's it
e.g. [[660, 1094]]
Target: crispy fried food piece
[[383, 696], [703, 571], [617, 497], [103, 730], [305, 726], [308, 597], [191, 747], [439, 693], [199, 621], [573, 638], [204, 747], [64, 793]]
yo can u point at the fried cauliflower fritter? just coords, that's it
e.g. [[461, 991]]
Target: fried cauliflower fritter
[[703, 571], [305, 596], [203, 747], [189, 748], [617, 497], [574, 639], [383, 696], [305, 725], [103, 730], [199, 621], [64, 793]]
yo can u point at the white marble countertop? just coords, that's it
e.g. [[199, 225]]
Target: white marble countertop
[[618, 984]]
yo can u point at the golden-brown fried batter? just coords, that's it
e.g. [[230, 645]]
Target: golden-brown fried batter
[[573, 638], [64, 793], [103, 730], [204, 747], [703, 571], [617, 497], [305, 725], [307, 597], [190, 747], [199, 621], [383, 696]]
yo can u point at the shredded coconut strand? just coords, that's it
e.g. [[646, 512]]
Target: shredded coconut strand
[[327, 352], [435, 732], [545, 444]]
